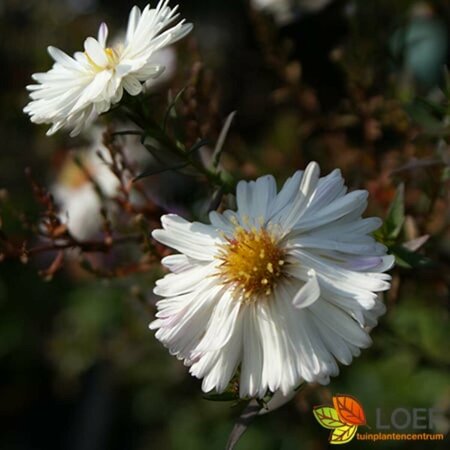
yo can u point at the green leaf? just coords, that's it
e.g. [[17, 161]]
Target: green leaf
[[430, 116], [158, 170], [395, 217], [198, 145], [410, 260], [171, 108], [221, 140]]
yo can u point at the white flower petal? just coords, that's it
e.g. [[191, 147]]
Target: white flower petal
[[343, 325], [193, 239], [371, 248], [133, 20], [340, 276], [93, 90], [61, 58], [329, 188], [221, 222], [273, 364], [308, 294], [102, 34], [177, 263], [254, 198], [96, 52], [341, 207], [221, 326], [226, 363], [182, 320], [284, 198], [132, 85], [306, 190], [252, 360], [181, 283]]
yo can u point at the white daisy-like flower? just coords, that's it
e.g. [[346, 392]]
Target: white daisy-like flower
[[77, 89], [282, 289]]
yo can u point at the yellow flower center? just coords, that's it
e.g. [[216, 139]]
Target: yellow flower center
[[112, 57], [252, 262]]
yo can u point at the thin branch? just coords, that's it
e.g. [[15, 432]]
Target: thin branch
[[127, 133], [86, 246]]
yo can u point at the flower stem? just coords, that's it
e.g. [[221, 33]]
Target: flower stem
[[245, 419]]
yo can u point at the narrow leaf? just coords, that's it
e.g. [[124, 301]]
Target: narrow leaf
[[171, 107], [410, 260], [396, 215], [158, 170], [198, 145], [221, 140]]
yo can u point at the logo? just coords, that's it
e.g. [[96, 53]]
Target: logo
[[347, 414], [343, 418]]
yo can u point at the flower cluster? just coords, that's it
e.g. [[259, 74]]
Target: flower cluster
[[273, 294]]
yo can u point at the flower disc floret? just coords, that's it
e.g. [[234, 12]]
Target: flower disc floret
[[252, 262]]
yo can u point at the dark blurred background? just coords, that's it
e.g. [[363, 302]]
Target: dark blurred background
[[79, 368]]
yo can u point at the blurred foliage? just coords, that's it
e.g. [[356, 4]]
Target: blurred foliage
[[80, 369]]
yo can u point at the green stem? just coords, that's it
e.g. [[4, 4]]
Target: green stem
[[213, 176]]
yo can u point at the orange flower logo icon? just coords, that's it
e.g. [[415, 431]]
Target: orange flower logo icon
[[343, 418]]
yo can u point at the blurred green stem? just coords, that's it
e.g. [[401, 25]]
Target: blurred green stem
[[152, 129]]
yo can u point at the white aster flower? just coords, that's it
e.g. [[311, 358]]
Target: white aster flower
[[76, 90], [283, 288]]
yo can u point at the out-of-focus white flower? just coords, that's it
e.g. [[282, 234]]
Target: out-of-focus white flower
[[166, 58], [75, 191], [421, 46], [282, 288], [285, 11], [77, 89]]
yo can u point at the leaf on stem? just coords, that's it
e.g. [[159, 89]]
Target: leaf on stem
[[395, 218], [171, 108], [221, 140], [158, 170]]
